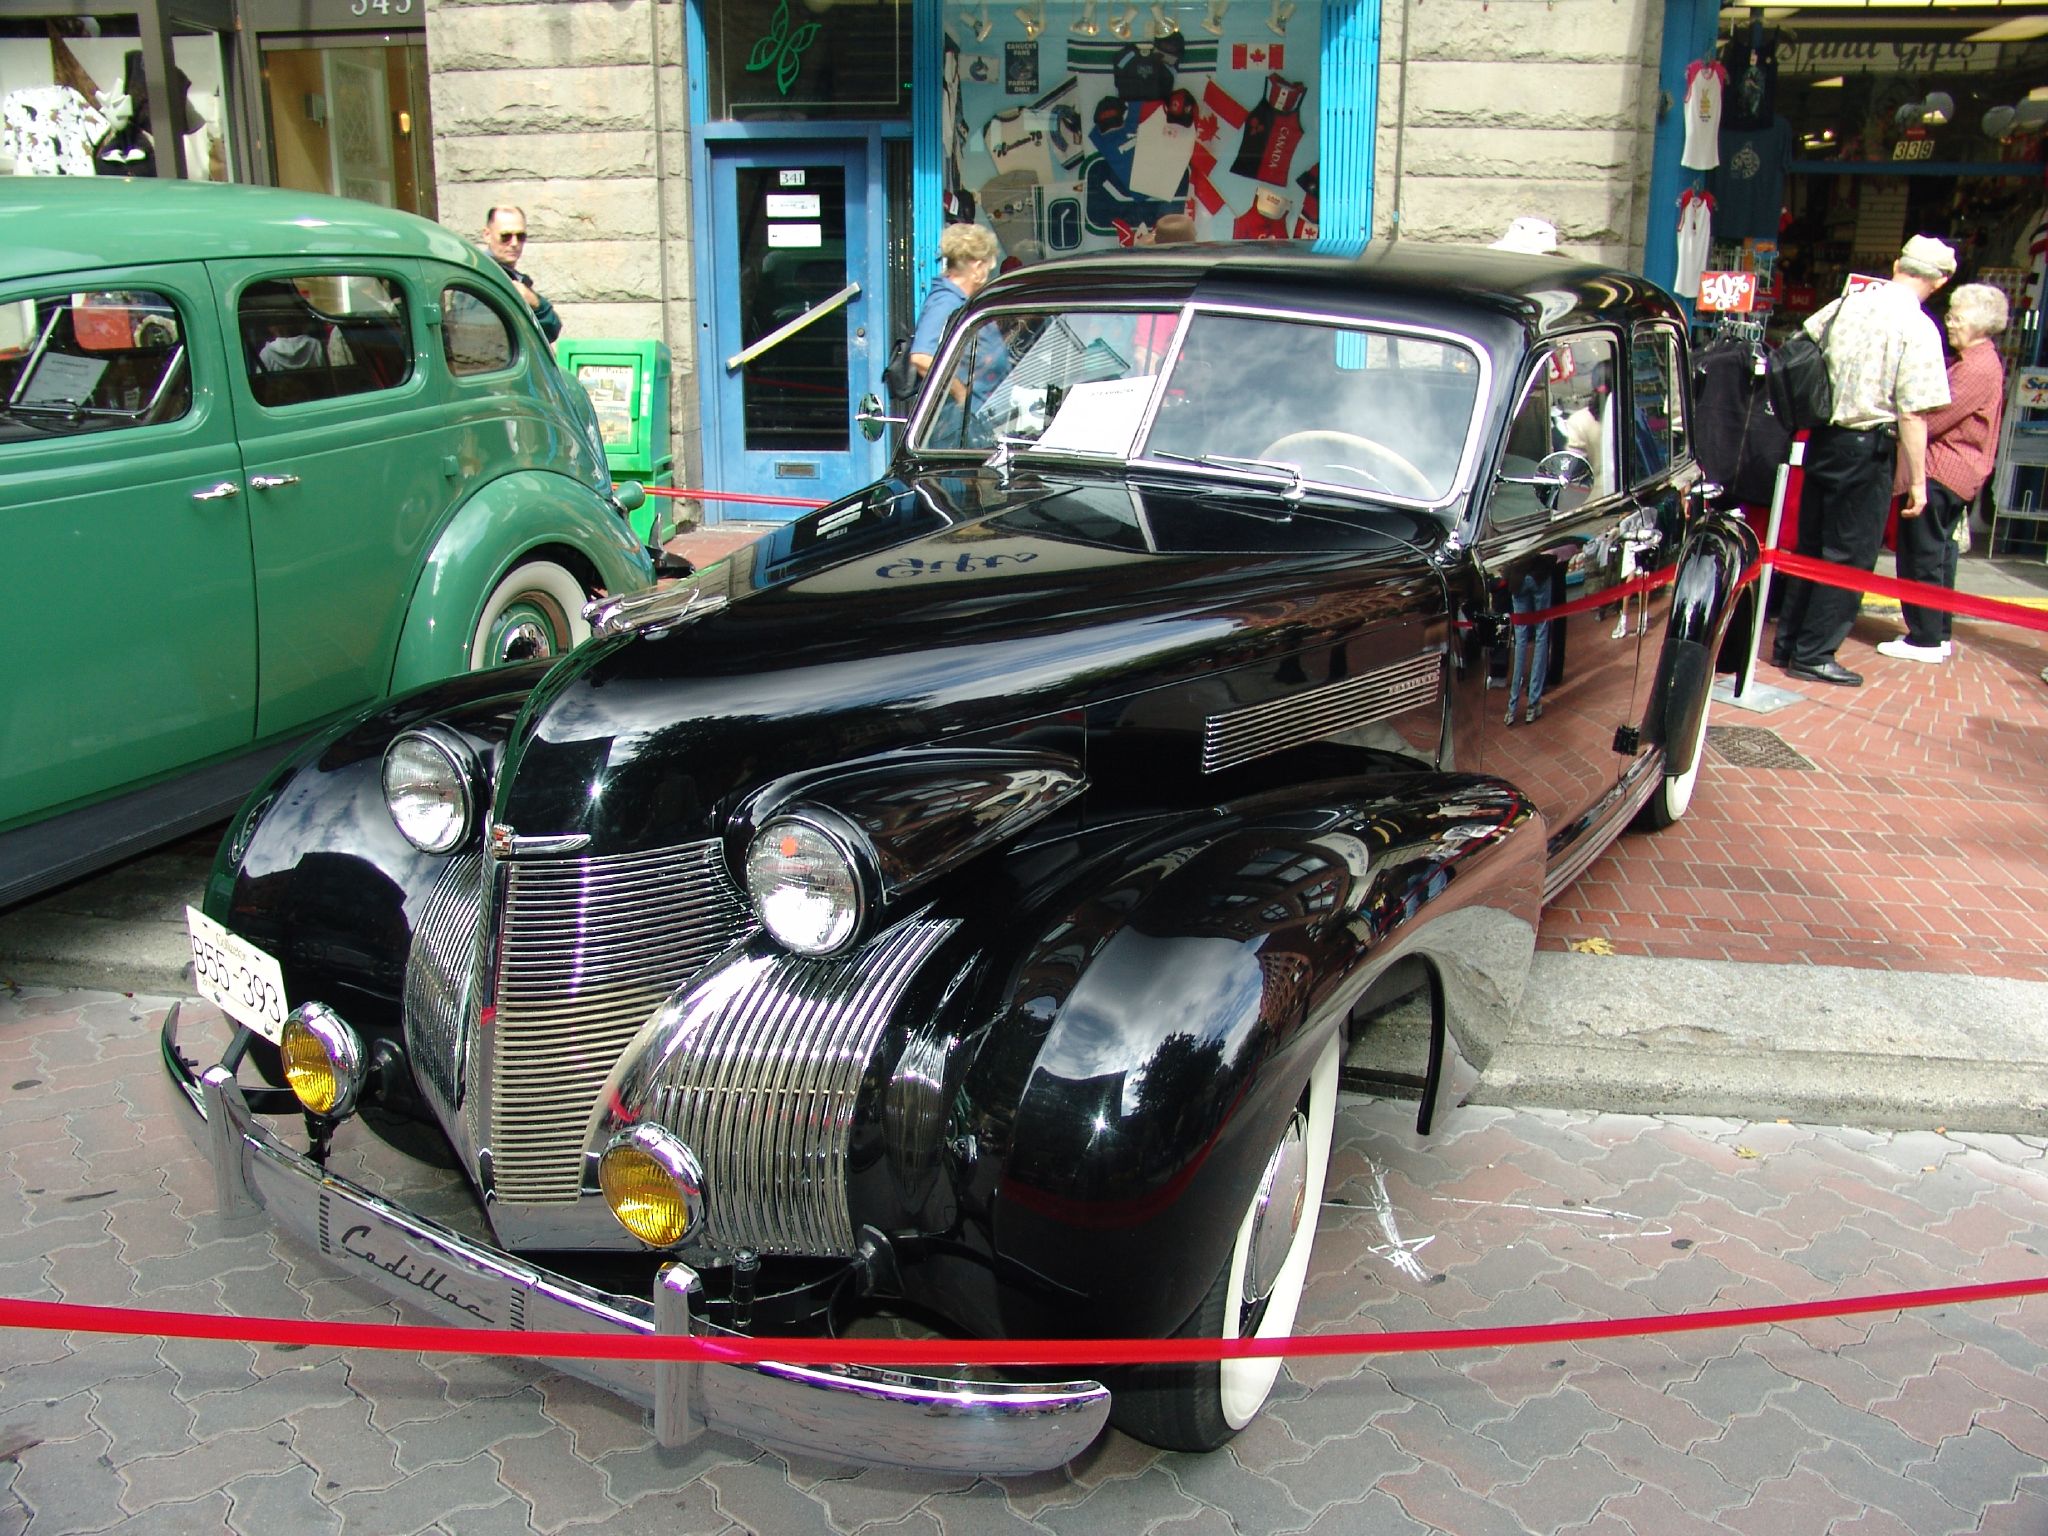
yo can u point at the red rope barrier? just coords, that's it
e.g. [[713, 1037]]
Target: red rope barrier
[[691, 493], [1085, 1353], [1921, 594]]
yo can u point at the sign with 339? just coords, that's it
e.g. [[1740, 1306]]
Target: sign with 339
[[236, 977]]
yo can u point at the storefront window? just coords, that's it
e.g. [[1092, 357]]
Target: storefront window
[[74, 101], [1838, 145], [352, 121], [1075, 125], [798, 60]]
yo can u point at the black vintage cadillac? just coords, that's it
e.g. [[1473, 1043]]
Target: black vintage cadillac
[[967, 921]]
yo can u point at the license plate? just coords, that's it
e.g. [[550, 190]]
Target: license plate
[[235, 976]]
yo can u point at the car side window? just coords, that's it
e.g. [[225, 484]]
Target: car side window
[[1568, 404], [323, 336], [91, 361], [475, 338], [1657, 438]]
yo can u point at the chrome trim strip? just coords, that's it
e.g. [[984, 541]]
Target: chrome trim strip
[[848, 1413], [1604, 824], [1257, 730]]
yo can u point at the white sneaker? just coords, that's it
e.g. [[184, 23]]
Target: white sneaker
[[1905, 650]]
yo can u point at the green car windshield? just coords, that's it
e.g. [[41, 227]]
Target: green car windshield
[[1373, 412]]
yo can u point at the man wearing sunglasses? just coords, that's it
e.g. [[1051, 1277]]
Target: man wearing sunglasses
[[505, 239]]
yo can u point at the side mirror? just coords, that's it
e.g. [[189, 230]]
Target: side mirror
[[1565, 470], [871, 419]]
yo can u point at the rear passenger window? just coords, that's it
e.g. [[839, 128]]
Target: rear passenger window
[[1658, 437], [474, 336], [91, 362], [316, 338]]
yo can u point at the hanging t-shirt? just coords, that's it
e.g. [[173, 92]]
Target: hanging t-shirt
[[1751, 97], [1695, 230], [50, 130], [1272, 133], [1749, 185], [1165, 143], [1703, 82]]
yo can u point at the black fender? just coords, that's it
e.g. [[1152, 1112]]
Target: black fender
[[312, 868], [1155, 1025], [1713, 614]]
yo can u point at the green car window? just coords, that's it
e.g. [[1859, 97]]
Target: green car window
[[91, 362], [316, 338], [474, 336]]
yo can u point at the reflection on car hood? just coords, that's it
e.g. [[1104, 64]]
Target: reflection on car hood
[[944, 605]]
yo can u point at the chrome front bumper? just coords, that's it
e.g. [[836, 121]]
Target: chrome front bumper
[[853, 1413]]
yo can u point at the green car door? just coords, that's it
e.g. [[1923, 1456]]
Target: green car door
[[130, 593], [349, 473]]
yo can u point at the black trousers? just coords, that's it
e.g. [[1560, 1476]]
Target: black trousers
[[1927, 552], [1842, 510]]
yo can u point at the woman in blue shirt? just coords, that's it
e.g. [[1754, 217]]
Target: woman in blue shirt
[[970, 252]]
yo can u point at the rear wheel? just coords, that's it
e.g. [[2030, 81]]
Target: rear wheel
[[1673, 796], [1255, 1295], [534, 613]]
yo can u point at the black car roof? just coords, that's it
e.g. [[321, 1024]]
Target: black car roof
[[1390, 279]]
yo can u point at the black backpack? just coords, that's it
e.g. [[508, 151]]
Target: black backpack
[[899, 375]]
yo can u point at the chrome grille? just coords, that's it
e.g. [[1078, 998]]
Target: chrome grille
[[440, 979], [765, 1095], [1239, 735], [589, 948]]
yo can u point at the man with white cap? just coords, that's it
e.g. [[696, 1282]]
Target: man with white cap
[[1884, 360]]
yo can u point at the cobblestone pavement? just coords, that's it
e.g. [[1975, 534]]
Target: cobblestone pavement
[[1913, 1423]]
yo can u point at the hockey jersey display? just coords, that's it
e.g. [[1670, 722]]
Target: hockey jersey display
[[1272, 132]]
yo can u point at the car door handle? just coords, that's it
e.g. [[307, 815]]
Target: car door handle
[[271, 482], [219, 492]]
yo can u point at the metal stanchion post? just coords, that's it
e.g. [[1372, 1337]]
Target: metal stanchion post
[[1762, 698]]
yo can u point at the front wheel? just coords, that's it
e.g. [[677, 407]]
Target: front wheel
[[1673, 796], [1255, 1295], [534, 613]]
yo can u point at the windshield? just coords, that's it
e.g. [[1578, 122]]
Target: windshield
[[1370, 411]]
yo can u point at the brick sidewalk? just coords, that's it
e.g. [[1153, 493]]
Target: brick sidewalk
[[1910, 1424], [1918, 841]]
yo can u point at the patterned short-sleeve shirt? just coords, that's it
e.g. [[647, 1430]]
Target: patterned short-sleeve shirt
[[1884, 356]]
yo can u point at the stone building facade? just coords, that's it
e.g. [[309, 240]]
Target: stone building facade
[[577, 111]]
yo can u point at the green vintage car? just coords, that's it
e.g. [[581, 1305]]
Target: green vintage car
[[264, 457]]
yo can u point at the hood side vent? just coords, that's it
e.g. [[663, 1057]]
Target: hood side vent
[[1316, 714]]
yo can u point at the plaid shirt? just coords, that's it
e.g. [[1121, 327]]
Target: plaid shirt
[[1884, 357]]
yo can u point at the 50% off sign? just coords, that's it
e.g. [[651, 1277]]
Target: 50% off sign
[[1732, 293]]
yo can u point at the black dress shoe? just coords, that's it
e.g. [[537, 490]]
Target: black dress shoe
[[1780, 657], [1829, 671]]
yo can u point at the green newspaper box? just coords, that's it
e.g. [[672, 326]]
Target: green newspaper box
[[628, 383]]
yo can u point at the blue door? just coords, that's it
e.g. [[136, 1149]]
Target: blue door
[[796, 312]]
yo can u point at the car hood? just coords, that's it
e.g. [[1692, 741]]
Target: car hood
[[943, 605]]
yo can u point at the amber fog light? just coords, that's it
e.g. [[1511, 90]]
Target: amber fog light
[[323, 1060], [653, 1185]]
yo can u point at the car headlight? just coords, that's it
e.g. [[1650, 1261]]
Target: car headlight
[[430, 788], [805, 884], [323, 1060], [653, 1185]]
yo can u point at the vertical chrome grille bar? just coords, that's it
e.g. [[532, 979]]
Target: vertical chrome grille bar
[[589, 948], [766, 1096]]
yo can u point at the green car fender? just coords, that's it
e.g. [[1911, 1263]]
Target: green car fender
[[524, 516]]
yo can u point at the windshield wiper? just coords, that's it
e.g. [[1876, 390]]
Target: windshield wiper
[[1289, 475]]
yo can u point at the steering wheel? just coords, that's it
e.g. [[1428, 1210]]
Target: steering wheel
[[1329, 455]]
